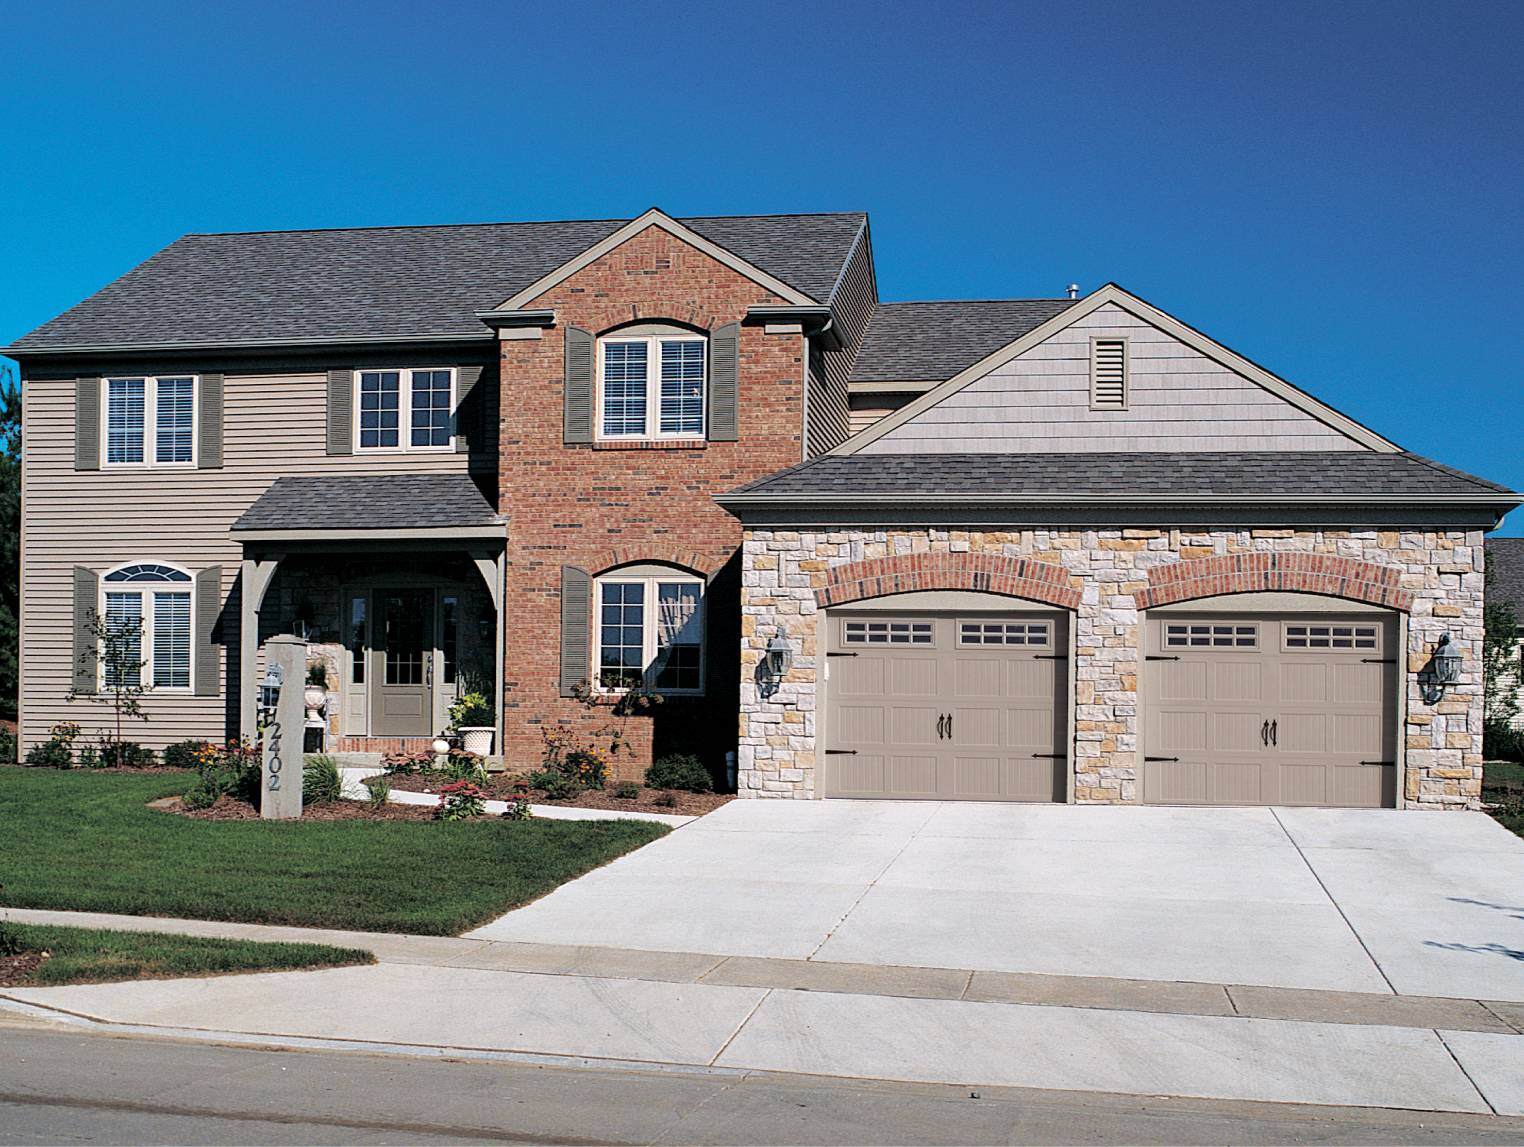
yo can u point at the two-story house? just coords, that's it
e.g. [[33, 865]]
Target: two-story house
[[1054, 549]]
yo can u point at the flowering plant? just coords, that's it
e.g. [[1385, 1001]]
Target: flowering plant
[[518, 804], [460, 801]]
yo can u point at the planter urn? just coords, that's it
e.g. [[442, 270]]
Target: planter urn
[[477, 739]]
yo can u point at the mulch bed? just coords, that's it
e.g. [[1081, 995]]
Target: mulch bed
[[228, 808], [501, 787], [14, 970]]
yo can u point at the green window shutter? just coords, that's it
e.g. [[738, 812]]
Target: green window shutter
[[86, 652], [209, 448], [341, 411], [207, 679], [724, 382], [578, 425], [576, 634], [87, 424], [469, 422]]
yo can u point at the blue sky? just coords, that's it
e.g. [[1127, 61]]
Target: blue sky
[[1332, 190]]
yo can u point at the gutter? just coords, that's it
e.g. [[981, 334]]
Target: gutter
[[238, 344], [1502, 497]]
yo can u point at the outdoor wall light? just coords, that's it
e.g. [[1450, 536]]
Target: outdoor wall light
[[1442, 671], [775, 664]]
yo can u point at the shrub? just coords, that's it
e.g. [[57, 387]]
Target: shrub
[[322, 783], [126, 755], [627, 791], [556, 786], [10, 941], [233, 771], [408, 764], [462, 800], [666, 799], [186, 754], [380, 791], [518, 804], [53, 753], [90, 759], [585, 767], [1502, 742], [470, 710], [463, 766], [7, 747], [680, 772]]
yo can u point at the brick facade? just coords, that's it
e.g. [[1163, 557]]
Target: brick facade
[[596, 506], [1433, 577]]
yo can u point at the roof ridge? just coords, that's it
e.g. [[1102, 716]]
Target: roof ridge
[[505, 223], [931, 302]]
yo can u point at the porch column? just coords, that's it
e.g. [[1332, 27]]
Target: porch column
[[493, 567], [257, 574]]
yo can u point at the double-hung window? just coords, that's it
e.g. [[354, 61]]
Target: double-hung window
[[150, 421], [652, 386], [405, 409], [146, 611], [650, 633]]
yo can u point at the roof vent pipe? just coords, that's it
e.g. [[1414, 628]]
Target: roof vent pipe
[[1074, 290]]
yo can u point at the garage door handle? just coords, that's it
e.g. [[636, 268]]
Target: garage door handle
[[1160, 657], [1378, 762], [941, 723], [841, 752], [1051, 657], [949, 726], [841, 655], [1161, 758], [1274, 738], [1050, 756], [1378, 661], [1264, 733]]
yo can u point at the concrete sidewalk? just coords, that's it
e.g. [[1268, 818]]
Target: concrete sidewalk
[[710, 1012]]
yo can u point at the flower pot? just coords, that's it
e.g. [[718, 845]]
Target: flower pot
[[477, 739], [313, 697]]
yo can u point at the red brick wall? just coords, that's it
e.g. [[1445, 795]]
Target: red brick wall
[[592, 506]]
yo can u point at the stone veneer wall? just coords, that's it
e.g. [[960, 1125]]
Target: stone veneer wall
[[1434, 576]]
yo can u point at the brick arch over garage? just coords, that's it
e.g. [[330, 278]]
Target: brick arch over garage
[[1256, 572], [982, 573]]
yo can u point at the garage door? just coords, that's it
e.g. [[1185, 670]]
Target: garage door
[[1265, 709], [945, 707]]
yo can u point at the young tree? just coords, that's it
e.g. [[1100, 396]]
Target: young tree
[[120, 645], [1500, 658], [10, 540]]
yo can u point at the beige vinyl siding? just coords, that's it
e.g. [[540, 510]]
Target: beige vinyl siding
[[829, 371], [1177, 399], [868, 408], [274, 427]]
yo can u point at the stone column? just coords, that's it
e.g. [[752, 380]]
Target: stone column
[[280, 789]]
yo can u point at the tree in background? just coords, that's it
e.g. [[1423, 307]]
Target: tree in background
[[1500, 659], [10, 540]]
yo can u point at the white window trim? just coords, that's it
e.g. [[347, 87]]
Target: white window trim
[[648, 630], [404, 411], [653, 430], [147, 590], [150, 423]]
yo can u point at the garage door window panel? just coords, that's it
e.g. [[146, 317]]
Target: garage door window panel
[[1214, 635], [1023, 634], [1333, 636], [888, 632]]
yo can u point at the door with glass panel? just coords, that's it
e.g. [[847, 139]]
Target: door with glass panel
[[401, 669]]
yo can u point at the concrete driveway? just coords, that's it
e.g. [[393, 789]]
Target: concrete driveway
[[1349, 900]]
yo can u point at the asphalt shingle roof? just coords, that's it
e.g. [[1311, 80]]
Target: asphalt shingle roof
[[393, 282], [370, 502], [1505, 561], [929, 342], [1278, 473]]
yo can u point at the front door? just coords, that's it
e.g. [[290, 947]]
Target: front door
[[402, 699]]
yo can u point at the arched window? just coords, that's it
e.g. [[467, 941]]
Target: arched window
[[151, 603], [649, 631], [651, 380]]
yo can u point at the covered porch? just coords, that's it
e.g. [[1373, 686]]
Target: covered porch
[[395, 582]]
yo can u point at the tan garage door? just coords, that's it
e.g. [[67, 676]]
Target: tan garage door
[[945, 707], [1265, 709]]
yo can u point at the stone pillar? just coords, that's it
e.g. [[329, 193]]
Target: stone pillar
[[280, 789]]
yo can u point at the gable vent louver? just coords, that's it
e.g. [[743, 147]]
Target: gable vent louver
[[1108, 374]]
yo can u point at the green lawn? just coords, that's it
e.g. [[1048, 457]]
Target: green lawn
[[93, 955], [84, 841]]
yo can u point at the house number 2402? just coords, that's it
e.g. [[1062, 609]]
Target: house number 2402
[[273, 732]]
